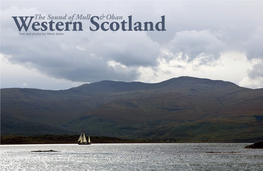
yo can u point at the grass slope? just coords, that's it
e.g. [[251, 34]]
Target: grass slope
[[181, 109]]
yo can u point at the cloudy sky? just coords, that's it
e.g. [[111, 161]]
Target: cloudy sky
[[219, 40]]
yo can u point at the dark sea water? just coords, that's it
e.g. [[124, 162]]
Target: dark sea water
[[166, 156]]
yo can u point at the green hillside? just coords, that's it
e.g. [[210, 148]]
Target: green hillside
[[179, 109]]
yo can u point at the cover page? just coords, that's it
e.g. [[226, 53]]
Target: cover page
[[161, 71]]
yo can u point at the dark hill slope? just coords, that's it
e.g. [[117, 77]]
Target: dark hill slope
[[55, 107], [183, 108], [14, 126], [44, 106], [187, 104]]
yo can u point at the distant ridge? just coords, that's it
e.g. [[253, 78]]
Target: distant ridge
[[180, 109], [118, 86]]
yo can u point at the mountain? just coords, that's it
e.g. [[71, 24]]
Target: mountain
[[179, 109]]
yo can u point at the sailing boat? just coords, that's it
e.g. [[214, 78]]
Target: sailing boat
[[82, 140]]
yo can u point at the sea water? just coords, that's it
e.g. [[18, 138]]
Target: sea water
[[146, 156]]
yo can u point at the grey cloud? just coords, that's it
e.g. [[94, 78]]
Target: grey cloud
[[81, 56], [254, 50], [71, 63], [257, 71], [192, 44], [254, 44], [130, 49]]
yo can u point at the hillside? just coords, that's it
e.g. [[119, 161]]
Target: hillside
[[181, 109]]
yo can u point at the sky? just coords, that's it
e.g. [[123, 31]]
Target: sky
[[218, 40]]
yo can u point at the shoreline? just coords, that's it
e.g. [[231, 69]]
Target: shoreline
[[65, 139], [72, 139]]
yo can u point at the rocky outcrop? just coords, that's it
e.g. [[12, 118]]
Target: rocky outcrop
[[45, 151], [258, 145]]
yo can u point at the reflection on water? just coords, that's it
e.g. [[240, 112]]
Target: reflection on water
[[176, 156]]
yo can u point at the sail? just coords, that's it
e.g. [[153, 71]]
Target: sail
[[88, 140], [84, 140], [80, 138]]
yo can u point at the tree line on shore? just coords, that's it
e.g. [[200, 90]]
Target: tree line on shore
[[61, 139]]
